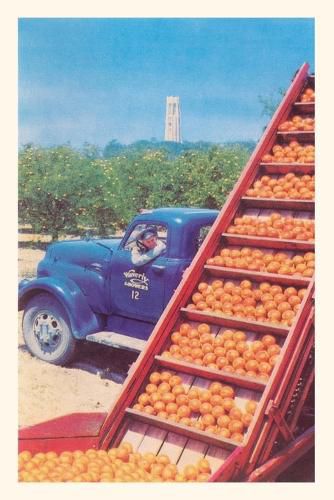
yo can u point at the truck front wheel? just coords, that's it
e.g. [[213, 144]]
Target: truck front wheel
[[46, 330]]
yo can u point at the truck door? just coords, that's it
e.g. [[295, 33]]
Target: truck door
[[138, 291]]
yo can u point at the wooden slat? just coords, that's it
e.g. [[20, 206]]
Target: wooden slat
[[278, 204], [286, 168], [184, 430], [257, 276], [216, 457], [187, 379], [135, 433], [152, 441], [253, 241], [173, 446], [212, 374], [234, 322], [244, 395], [304, 107], [299, 135], [193, 451]]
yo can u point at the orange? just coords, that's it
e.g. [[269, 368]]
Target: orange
[[264, 367], [182, 399], [223, 421], [183, 411], [175, 337], [155, 376], [205, 408], [251, 407], [235, 413], [251, 365], [235, 426], [184, 328], [167, 397], [228, 404], [218, 411], [165, 376], [162, 414], [194, 405], [171, 408], [227, 392], [151, 388], [149, 410], [203, 466], [178, 389], [190, 472], [193, 393], [164, 387], [237, 436], [246, 419], [175, 380]]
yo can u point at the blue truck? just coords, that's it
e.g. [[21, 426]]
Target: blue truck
[[90, 290]]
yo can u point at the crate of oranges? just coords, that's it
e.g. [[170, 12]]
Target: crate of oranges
[[297, 123], [308, 95], [256, 259], [265, 303], [120, 464], [211, 410], [294, 152], [274, 226], [289, 186], [230, 351]]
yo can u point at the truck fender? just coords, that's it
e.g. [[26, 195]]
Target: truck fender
[[82, 319]]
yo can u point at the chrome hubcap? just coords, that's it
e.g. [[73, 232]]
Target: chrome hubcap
[[47, 330]]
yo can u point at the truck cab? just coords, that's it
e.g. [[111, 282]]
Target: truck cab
[[90, 289]]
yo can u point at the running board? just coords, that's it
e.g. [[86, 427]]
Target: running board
[[117, 340]]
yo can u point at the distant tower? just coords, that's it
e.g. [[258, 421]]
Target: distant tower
[[173, 118]]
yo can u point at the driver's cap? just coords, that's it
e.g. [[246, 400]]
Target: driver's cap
[[147, 233]]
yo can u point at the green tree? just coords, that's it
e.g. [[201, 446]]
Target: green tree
[[61, 190], [52, 188], [113, 148], [271, 102], [200, 179]]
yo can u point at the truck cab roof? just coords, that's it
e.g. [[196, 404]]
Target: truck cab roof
[[178, 215]]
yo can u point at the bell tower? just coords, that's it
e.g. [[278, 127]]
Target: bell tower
[[173, 119]]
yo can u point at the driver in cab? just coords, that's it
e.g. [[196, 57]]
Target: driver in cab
[[147, 247]]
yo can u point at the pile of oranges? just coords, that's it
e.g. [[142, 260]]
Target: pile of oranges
[[274, 226], [229, 351], [294, 152], [211, 410], [291, 186], [297, 123], [120, 464], [308, 95], [267, 303], [258, 260]]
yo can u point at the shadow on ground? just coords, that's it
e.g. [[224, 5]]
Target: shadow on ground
[[106, 362]]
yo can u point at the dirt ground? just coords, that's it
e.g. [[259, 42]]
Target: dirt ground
[[47, 391]]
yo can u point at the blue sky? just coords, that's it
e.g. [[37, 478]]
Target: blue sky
[[100, 79]]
